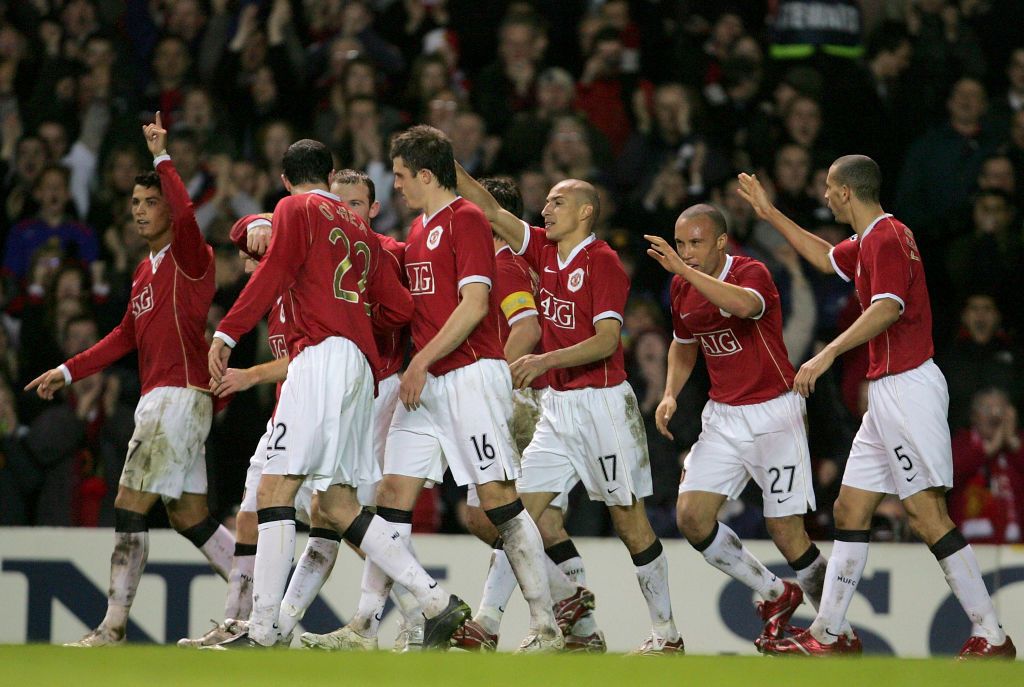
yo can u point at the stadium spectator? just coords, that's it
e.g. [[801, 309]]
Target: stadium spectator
[[506, 86]]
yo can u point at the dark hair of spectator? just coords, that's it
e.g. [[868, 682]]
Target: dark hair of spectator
[[506, 192], [52, 167], [607, 34], [888, 37], [709, 211], [307, 162], [149, 179], [424, 147], [77, 319], [354, 176], [861, 174], [991, 193]]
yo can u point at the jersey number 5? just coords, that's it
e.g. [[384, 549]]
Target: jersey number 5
[[346, 264]]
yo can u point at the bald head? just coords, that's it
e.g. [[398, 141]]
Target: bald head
[[713, 214], [583, 193], [861, 174]]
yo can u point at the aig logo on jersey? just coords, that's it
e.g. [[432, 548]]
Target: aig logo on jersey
[[278, 346], [434, 237], [560, 313], [421, 278], [143, 303], [576, 280], [722, 342]]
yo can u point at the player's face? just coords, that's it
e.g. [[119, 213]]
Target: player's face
[[698, 247], [561, 212], [838, 197], [357, 197], [409, 185], [150, 212]]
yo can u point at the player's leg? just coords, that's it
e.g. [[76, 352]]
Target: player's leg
[[312, 570], [238, 604], [131, 548], [190, 517], [930, 522], [634, 529]]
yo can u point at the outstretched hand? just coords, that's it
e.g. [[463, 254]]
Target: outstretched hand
[[754, 193], [47, 384], [666, 256], [156, 136]]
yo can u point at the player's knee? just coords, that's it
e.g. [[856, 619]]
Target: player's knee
[[693, 522], [480, 526], [848, 516]]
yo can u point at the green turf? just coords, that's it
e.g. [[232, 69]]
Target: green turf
[[39, 665]]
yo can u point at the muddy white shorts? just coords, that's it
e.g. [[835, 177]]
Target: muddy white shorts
[[903, 445], [764, 441], [167, 454], [462, 424], [593, 435], [383, 412], [303, 499]]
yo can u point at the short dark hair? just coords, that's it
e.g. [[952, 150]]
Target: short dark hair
[[355, 176], [888, 37], [993, 193], [149, 179], [506, 192], [590, 196], [718, 222], [861, 174], [307, 162], [52, 167], [424, 147]]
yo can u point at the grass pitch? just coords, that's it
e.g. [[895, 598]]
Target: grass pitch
[[154, 666]]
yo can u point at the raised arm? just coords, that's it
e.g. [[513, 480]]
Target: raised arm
[[813, 249], [506, 225]]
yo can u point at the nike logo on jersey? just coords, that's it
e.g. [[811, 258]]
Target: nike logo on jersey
[[612, 491], [909, 479], [484, 467], [785, 499], [685, 315], [548, 269], [432, 585]]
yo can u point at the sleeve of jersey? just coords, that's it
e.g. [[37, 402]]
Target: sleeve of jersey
[[680, 333], [755, 278], [289, 246], [609, 287], [532, 249], [189, 247], [112, 347], [391, 305], [515, 292], [844, 258], [474, 249], [888, 266]]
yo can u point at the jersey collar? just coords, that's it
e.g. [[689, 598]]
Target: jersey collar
[[873, 223], [325, 194], [505, 247], [446, 205], [726, 268], [155, 260], [575, 251]]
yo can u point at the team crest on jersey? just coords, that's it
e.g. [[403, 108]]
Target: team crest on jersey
[[143, 303], [721, 342], [559, 312], [278, 346], [576, 279], [434, 237]]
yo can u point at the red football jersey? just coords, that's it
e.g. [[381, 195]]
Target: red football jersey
[[885, 263], [746, 357], [391, 341], [590, 286], [442, 254], [171, 295], [516, 289], [280, 333], [330, 264]]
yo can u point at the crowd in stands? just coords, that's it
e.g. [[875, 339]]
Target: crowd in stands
[[658, 103]]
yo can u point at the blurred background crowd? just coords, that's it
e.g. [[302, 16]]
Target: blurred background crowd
[[659, 103]]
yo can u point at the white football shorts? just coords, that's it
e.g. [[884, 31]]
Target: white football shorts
[[383, 412], [304, 497], [593, 435], [903, 445], [766, 441], [167, 452]]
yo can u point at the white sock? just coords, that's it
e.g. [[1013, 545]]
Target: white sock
[[219, 549], [275, 551], [314, 567], [843, 573], [812, 580], [653, 579], [963, 574], [131, 549], [727, 553], [238, 604], [525, 551], [392, 555], [498, 588], [407, 604], [374, 587]]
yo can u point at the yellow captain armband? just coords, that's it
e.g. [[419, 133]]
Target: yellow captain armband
[[514, 302]]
